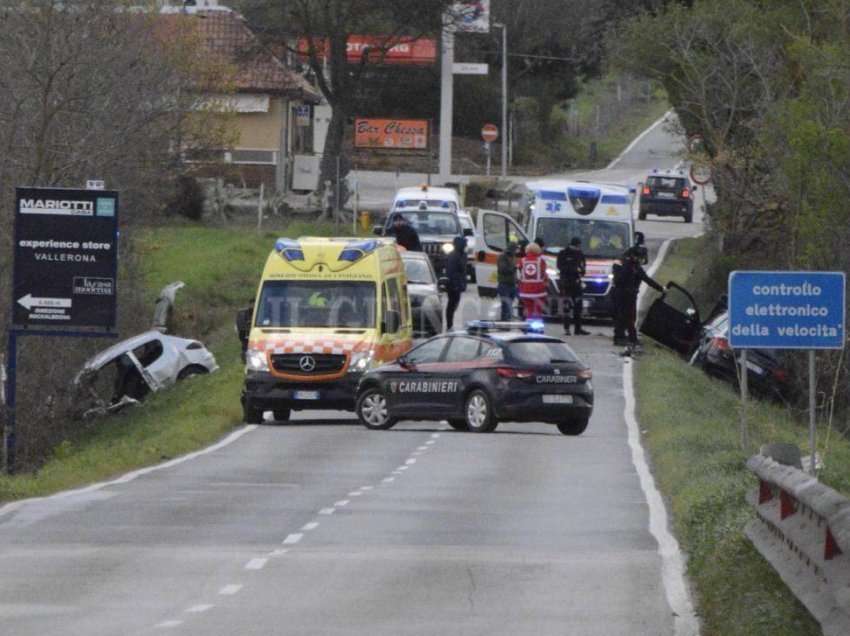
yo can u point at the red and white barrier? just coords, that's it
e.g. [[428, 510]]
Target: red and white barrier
[[803, 529]]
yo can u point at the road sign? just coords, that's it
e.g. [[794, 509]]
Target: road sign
[[490, 133], [471, 16], [65, 258], [786, 310], [469, 68]]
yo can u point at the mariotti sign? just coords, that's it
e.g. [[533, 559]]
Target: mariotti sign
[[65, 258], [399, 50]]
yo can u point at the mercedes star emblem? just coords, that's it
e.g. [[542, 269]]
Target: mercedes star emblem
[[307, 364]]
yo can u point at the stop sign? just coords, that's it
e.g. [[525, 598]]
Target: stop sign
[[489, 133]]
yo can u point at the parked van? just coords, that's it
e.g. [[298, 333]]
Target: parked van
[[326, 311]]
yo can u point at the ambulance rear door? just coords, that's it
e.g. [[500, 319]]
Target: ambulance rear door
[[495, 231]]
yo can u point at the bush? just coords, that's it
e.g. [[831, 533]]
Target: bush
[[188, 199]]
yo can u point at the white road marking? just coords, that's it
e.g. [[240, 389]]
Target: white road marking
[[636, 140], [435, 435], [327, 511], [199, 609], [403, 467], [685, 622], [230, 590], [169, 624], [293, 538], [279, 552], [340, 504], [430, 442], [366, 487], [388, 480], [15, 505], [397, 472], [410, 462], [355, 493], [310, 526], [422, 448], [256, 564]]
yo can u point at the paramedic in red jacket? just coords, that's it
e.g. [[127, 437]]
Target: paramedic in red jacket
[[532, 281]]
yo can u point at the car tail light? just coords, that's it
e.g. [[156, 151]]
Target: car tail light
[[721, 344], [686, 194], [511, 374], [646, 191], [585, 374]]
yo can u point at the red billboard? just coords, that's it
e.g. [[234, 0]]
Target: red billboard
[[391, 134], [399, 50]]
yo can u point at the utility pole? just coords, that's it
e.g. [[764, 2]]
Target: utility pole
[[446, 103], [505, 135]]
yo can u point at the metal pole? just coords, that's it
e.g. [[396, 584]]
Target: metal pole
[[812, 401], [745, 435], [505, 136], [446, 104], [9, 432], [489, 157], [338, 210]]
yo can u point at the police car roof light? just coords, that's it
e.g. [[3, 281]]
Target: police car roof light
[[482, 326]]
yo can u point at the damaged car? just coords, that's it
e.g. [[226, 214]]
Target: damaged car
[[674, 321], [127, 371]]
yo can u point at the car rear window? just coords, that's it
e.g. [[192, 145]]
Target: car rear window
[[541, 352], [666, 183]]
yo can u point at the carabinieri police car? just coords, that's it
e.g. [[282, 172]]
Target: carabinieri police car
[[492, 372]]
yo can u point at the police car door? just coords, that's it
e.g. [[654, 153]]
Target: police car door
[[409, 392], [463, 358], [495, 231]]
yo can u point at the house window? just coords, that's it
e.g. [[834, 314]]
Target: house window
[[266, 157]]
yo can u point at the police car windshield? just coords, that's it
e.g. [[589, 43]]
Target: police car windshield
[[332, 304], [600, 239], [418, 271], [415, 204], [433, 222], [541, 352]]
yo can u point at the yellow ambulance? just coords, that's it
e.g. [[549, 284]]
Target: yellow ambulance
[[326, 311]]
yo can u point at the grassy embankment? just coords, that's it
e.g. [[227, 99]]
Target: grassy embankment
[[221, 268], [691, 429]]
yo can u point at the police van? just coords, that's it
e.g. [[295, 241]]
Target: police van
[[326, 311]]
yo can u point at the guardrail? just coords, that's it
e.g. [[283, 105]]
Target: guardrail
[[803, 529]]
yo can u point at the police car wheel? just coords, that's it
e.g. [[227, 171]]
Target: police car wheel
[[573, 427], [479, 413], [372, 410], [281, 415], [458, 425]]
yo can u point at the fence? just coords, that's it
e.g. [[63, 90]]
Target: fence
[[803, 529]]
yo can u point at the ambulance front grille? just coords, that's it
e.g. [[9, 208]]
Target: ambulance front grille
[[308, 363]]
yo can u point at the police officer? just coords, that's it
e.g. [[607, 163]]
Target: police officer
[[572, 267], [506, 268], [628, 275], [405, 234], [456, 273]]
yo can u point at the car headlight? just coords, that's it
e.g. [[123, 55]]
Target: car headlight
[[360, 361], [256, 361], [448, 248]]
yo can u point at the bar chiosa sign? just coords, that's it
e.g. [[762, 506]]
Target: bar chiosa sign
[[405, 134]]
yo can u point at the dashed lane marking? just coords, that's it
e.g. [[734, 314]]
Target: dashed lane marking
[[355, 493], [388, 480], [366, 487], [327, 511], [256, 564], [230, 590], [430, 442], [199, 609], [279, 552], [293, 538], [340, 504], [169, 624], [410, 462], [310, 526]]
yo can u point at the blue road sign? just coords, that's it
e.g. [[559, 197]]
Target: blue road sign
[[786, 310]]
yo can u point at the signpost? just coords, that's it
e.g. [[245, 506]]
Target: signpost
[[489, 133], [64, 274], [470, 68], [786, 310]]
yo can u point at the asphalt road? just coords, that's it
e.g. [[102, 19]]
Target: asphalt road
[[323, 527]]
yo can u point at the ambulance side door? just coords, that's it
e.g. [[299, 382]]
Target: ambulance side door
[[495, 231]]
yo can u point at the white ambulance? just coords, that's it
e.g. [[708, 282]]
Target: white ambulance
[[558, 211]]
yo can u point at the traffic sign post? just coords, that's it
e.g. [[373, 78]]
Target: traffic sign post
[[64, 274], [489, 133], [786, 310]]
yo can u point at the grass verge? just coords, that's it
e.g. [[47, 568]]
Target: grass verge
[[690, 424], [221, 268]]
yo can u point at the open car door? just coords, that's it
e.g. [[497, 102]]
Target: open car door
[[495, 231], [673, 320]]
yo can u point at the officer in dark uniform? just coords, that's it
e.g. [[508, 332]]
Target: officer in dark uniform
[[628, 275], [571, 268], [405, 234], [456, 273]]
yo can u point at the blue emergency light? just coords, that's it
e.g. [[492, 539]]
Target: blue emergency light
[[353, 252], [289, 249]]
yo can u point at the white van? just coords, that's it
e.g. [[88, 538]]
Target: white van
[[426, 197]]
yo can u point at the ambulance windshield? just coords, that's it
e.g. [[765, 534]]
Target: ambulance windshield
[[332, 304], [599, 239]]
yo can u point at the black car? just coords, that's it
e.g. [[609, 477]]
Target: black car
[[474, 379], [424, 289], [436, 227], [666, 194], [674, 321]]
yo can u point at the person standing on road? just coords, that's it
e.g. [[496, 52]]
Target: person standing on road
[[532, 282], [571, 268], [506, 277], [405, 234], [628, 275], [456, 273]]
